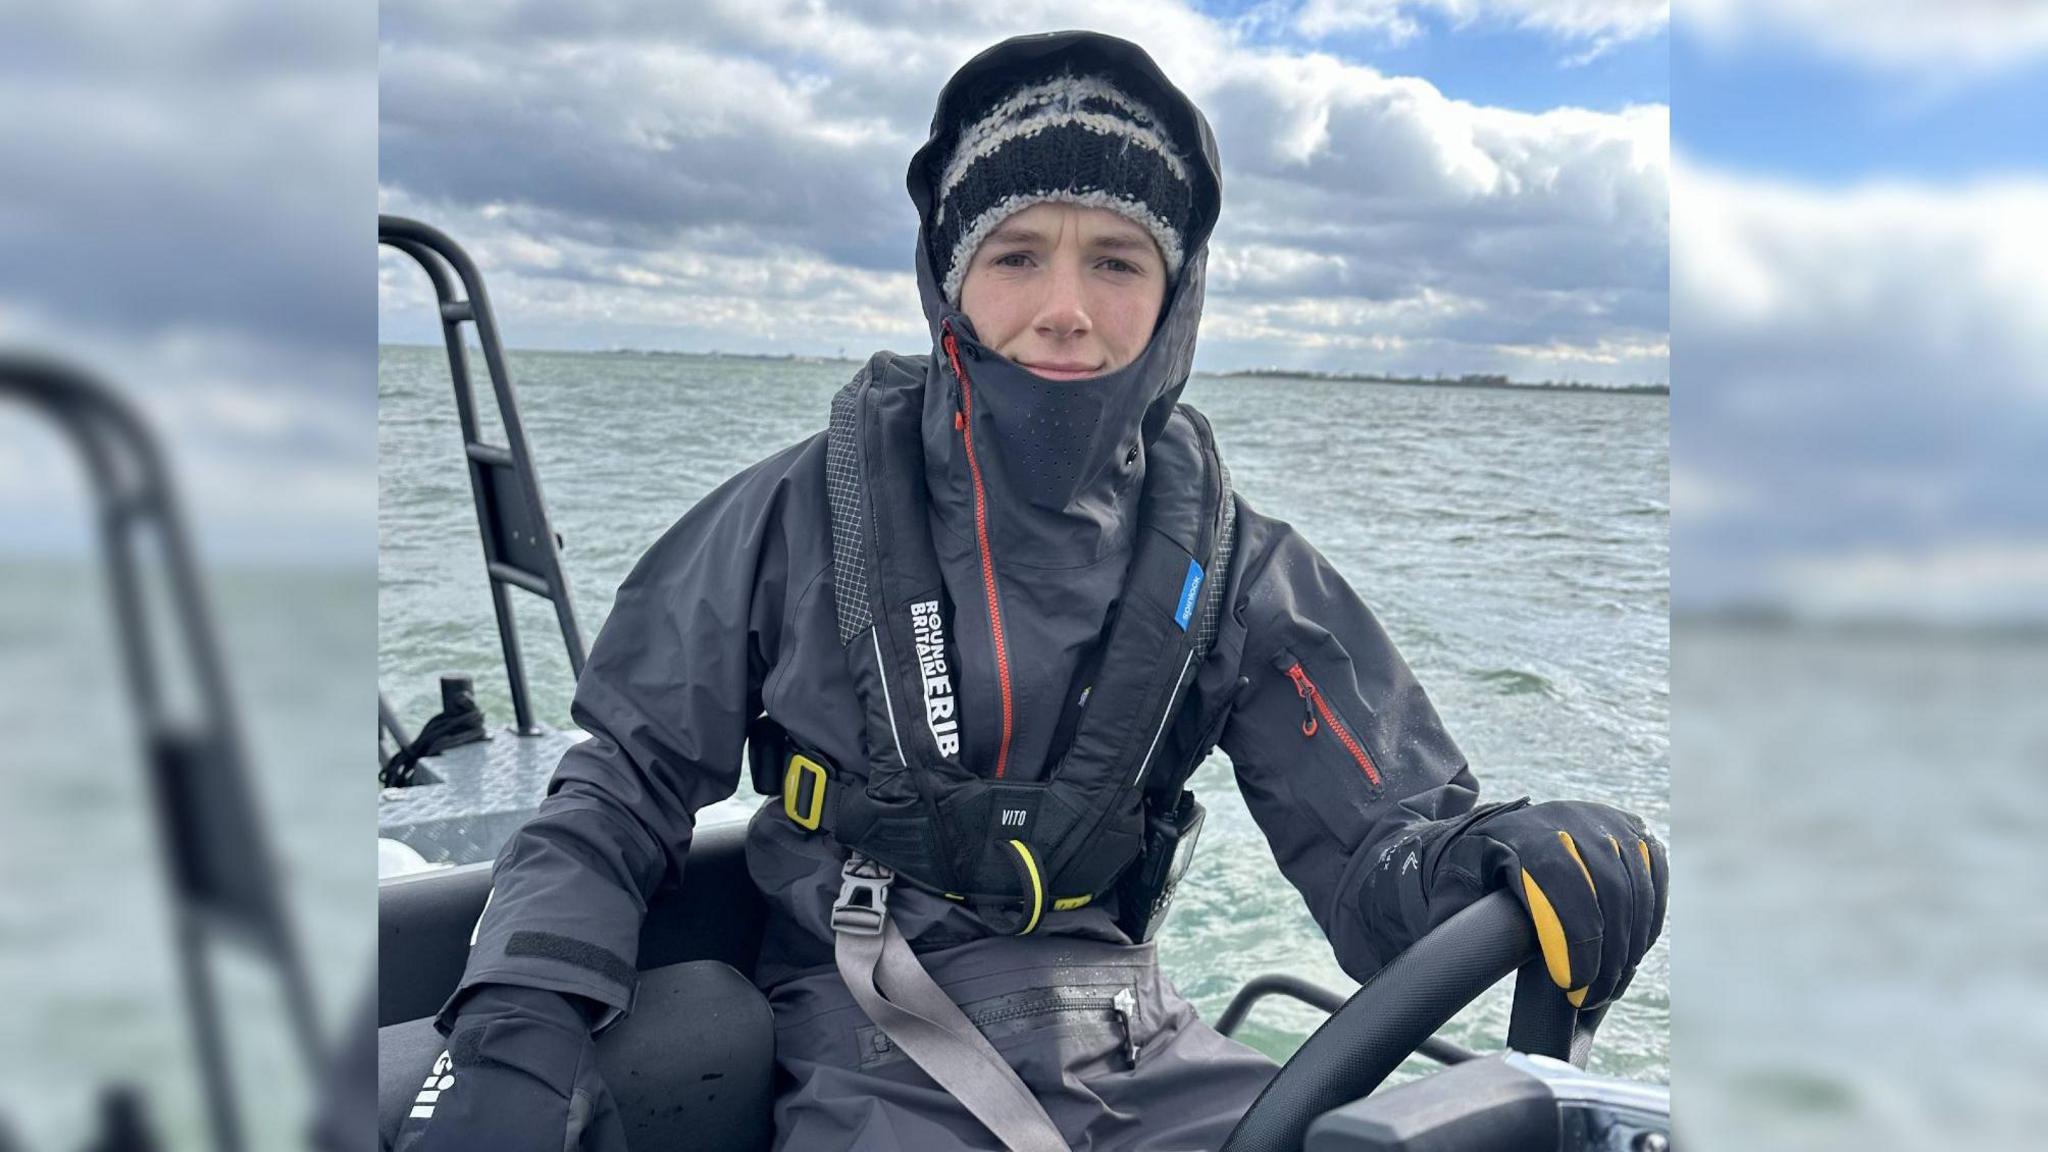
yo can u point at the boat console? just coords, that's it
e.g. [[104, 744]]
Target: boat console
[[1508, 1102]]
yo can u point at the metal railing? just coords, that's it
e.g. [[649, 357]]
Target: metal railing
[[223, 877], [521, 550]]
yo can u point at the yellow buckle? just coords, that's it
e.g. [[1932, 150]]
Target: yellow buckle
[[1037, 885], [792, 786]]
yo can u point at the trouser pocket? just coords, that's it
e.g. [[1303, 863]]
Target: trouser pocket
[[1080, 1027]]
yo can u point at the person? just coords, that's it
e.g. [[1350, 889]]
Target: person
[[977, 634]]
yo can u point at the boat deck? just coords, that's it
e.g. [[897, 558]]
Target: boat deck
[[468, 800]]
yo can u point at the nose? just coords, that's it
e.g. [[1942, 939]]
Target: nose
[[1063, 313]]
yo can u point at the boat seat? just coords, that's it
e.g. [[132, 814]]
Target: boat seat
[[700, 1032], [693, 1066]]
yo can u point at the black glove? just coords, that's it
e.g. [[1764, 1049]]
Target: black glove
[[1594, 880], [521, 1074]]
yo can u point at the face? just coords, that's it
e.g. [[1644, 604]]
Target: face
[[1068, 292]]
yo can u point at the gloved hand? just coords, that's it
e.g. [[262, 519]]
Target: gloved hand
[[1593, 879], [522, 1075]]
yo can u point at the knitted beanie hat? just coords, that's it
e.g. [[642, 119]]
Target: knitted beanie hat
[[1066, 139]]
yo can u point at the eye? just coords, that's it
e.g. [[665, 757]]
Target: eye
[[1115, 265], [1012, 260]]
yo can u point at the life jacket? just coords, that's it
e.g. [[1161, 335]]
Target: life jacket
[[1011, 849]]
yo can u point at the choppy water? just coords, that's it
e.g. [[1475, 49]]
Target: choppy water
[[86, 956], [1866, 811], [1859, 890], [1514, 545]]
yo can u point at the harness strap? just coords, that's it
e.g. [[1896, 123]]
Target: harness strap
[[910, 1008]]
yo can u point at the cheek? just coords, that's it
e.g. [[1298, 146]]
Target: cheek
[[1002, 308], [1129, 322], [991, 308]]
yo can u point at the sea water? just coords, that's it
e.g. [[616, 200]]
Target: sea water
[[87, 960], [1863, 927], [1514, 544]]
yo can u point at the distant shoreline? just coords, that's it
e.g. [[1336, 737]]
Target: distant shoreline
[[1786, 619], [1501, 383], [774, 357]]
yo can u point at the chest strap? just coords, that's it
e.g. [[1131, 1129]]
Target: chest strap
[[903, 1000]]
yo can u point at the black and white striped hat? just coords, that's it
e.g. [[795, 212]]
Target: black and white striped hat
[[1070, 139]]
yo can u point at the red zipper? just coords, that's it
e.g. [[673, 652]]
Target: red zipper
[[964, 420], [1313, 703]]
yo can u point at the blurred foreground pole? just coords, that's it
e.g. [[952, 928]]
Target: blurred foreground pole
[[222, 876]]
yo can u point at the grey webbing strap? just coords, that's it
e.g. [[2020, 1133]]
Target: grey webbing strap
[[916, 1014]]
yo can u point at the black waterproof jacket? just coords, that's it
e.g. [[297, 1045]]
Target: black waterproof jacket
[[731, 613]]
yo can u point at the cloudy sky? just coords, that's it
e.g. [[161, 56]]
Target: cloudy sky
[[185, 189], [1858, 269], [1410, 185], [1860, 281]]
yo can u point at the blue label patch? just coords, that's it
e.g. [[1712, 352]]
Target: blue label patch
[[1190, 588]]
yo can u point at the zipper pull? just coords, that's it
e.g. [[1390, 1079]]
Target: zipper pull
[[1305, 690], [952, 348], [1125, 1005], [957, 387]]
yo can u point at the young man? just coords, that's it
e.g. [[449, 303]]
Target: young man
[[980, 631]]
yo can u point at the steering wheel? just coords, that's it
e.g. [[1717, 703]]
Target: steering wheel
[[1405, 1003]]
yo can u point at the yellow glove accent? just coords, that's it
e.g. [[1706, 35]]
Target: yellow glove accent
[[1572, 847], [1550, 935]]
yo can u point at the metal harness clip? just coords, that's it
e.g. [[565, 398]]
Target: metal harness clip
[[863, 902]]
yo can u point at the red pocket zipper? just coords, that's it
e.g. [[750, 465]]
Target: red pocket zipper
[[1313, 705]]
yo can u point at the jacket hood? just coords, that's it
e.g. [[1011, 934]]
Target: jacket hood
[[1068, 448]]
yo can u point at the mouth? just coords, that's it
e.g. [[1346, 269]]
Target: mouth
[[1063, 369]]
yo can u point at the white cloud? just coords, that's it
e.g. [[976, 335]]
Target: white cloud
[[1911, 35], [269, 453], [1868, 368], [716, 167], [578, 293], [1890, 284], [1602, 22], [1699, 497], [1965, 582], [1393, 19]]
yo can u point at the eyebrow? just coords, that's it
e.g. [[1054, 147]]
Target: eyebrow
[[1112, 242], [1123, 240], [1015, 234]]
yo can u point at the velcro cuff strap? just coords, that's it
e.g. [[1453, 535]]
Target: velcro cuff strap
[[579, 953], [465, 1048]]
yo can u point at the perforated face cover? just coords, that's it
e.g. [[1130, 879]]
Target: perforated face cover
[[1057, 437]]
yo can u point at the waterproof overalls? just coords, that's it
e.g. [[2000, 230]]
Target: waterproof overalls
[[731, 614]]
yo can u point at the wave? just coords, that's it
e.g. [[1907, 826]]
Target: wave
[[1516, 682]]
